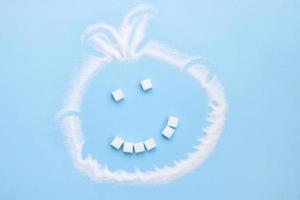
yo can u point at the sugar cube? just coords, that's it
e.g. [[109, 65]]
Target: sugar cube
[[168, 132], [128, 147], [173, 122], [118, 95], [117, 142], [150, 144], [146, 84], [139, 147]]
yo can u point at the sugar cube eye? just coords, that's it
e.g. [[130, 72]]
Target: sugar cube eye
[[118, 95], [146, 84]]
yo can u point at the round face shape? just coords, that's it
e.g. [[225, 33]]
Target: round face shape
[[159, 114]]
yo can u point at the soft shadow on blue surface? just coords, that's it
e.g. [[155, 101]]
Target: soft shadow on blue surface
[[253, 47]]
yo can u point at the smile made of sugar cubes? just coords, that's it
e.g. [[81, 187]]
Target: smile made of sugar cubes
[[149, 144]]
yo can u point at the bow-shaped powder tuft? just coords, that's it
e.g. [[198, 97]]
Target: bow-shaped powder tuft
[[121, 43]]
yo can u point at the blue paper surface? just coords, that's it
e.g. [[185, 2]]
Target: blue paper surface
[[252, 46]]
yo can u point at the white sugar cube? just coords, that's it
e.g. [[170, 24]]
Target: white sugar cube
[[146, 84], [173, 122], [117, 142], [150, 144], [168, 132], [118, 95], [128, 147], [139, 147]]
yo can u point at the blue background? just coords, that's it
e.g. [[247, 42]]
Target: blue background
[[253, 47]]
